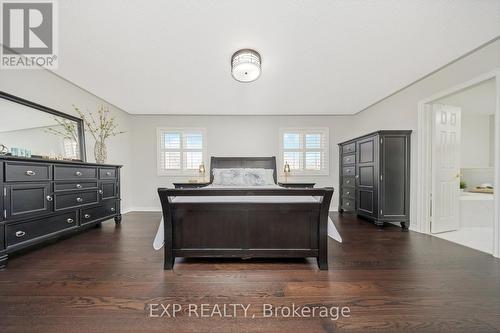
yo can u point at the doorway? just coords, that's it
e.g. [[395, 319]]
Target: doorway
[[459, 165]]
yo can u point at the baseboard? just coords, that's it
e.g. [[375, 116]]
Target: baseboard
[[141, 209]]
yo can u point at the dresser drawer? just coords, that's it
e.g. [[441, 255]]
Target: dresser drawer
[[25, 231], [75, 186], [349, 159], [26, 172], [107, 173], [349, 171], [93, 214], [348, 204], [348, 192], [348, 181], [349, 148], [74, 172], [73, 200]]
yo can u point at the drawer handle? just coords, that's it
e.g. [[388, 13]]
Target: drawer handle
[[20, 233], [101, 192], [108, 173], [79, 199], [70, 221], [87, 216], [113, 209], [348, 192], [30, 173], [49, 198], [78, 173], [78, 186], [348, 204]]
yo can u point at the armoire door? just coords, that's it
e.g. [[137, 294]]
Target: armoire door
[[366, 176]]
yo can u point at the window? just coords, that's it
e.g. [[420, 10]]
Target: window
[[305, 150], [181, 151]]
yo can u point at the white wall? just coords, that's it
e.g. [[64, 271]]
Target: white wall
[[476, 140], [400, 111], [492, 140], [226, 136], [48, 89]]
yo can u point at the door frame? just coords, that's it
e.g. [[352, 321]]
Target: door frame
[[424, 156]]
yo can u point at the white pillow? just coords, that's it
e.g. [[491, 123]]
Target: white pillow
[[259, 176], [228, 177], [243, 177]]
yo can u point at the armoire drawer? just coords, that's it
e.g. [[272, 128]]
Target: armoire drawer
[[349, 193], [74, 172], [349, 171], [349, 148], [92, 214], [27, 172], [73, 200], [349, 159], [25, 231], [348, 204], [348, 181]]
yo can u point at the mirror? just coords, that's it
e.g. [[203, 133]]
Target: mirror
[[30, 130]]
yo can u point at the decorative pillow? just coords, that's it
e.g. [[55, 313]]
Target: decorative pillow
[[243, 177], [228, 177], [259, 176]]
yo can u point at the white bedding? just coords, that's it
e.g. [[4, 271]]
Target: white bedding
[[246, 198]]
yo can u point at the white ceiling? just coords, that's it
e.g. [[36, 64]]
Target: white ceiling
[[319, 57]]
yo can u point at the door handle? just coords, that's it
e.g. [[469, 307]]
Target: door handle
[[101, 192], [49, 198], [113, 209]]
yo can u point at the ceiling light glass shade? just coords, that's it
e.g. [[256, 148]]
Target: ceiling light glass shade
[[245, 65]]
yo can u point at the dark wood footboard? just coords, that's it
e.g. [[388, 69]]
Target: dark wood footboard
[[246, 230]]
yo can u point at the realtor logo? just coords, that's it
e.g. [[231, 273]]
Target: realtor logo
[[28, 34]]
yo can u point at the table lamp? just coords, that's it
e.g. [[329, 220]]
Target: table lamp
[[286, 171]]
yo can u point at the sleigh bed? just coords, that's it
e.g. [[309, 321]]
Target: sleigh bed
[[245, 222]]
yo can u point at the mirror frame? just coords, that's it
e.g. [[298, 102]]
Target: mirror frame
[[79, 121]]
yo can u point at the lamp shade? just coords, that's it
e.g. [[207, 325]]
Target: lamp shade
[[246, 65], [201, 168]]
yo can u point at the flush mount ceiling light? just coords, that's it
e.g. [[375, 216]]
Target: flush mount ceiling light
[[245, 65]]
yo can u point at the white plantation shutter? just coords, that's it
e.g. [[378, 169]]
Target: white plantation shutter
[[180, 151], [305, 150]]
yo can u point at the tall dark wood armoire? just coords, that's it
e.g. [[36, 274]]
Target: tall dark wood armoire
[[375, 177]]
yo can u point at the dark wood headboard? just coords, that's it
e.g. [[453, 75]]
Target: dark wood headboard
[[243, 162]]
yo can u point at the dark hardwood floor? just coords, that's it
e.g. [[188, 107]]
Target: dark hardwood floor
[[104, 280]]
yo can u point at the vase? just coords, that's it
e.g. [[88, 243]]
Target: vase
[[100, 152]]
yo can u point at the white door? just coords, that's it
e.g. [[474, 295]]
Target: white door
[[445, 168]]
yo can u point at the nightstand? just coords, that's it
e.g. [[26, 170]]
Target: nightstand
[[190, 185], [296, 185]]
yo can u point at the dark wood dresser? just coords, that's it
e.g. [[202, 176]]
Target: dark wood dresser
[[44, 199], [375, 177]]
